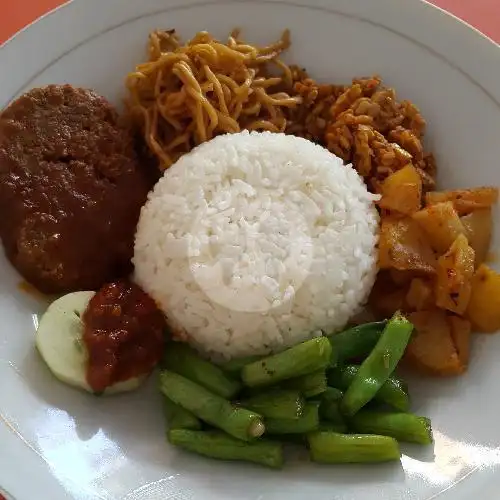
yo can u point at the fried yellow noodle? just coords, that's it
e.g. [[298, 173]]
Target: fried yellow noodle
[[187, 94]]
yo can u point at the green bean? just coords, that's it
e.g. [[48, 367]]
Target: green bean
[[301, 359], [339, 427], [178, 417], [234, 366], [393, 392], [276, 404], [401, 426], [379, 365], [218, 445], [239, 422], [331, 447], [309, 385], [329, 408], [332, 394], [307, 422], [355, 342], [184, 360]]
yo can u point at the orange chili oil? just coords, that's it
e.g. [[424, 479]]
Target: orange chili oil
[[123, 334]]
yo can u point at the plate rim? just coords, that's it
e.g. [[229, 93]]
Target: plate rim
[[447, 36]]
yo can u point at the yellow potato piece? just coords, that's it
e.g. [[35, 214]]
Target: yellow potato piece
[[454, 275], [402, 191], [431, 349], [420, 295], [465, 200], [403, 246], [441, 223], [401, 278], [460, 335], [484, 304], [477, 227]]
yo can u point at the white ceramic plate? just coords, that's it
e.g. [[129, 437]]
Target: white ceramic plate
[[57, 443]]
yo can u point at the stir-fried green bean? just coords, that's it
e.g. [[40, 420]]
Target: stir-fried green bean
[[307, 422], [401, 426], [216, 444], [379, 365], [330, 447], [393, 391], [184, 360], [178, 417], [239, 422], [301, 359], [309, 385], [234, 366], [329, 408], [356, 342], [282, 404]]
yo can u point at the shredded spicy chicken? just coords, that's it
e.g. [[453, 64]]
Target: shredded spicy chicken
[[365, 125]]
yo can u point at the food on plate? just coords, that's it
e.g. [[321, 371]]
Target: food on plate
[[311, 384], [211, 408], [402, 191], [477, 229], [71, 189], [335, 448], [308, 421], [401, 426], [432, 348], [356, 342], [59, 339], [420, 296], [465, 201], [483, 309], [186, 362], [379, 365], [404, 247], [255, 223], [187, 94], [123, 334], [454, 276], [428, 261], [441, 224], [178, 417], [329, 410], [218, 445], [392, 392], [277, 404], [460, 334], [273, 409], [286, 208], [301, 359]]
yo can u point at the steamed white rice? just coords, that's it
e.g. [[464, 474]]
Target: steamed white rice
[[256, 241]]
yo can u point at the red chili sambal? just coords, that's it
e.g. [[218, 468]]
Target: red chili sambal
[[123, 333]]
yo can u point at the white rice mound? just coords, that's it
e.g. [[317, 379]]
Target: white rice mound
[[253, 242]]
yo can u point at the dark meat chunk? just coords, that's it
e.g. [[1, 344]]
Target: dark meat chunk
[[71, 189]]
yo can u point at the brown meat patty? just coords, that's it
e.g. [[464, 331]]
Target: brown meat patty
[[71, 189]]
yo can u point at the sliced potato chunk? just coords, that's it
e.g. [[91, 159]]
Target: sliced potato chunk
[[420, 295], [401, 278], [402, 191], [454, 275], [441, 223], [384, 305], [403, 246], [431, 349], [484, 304], [460, 335], [465, 200], [477, 227]]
